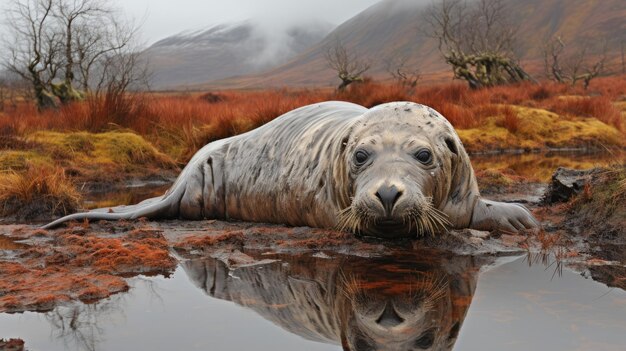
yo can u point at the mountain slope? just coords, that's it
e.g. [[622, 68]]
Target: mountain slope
[[227, 50], [392, 27]]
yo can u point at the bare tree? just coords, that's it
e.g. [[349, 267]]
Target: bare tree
[[573, 66], [68, 40], [95, 46], [34, 51], [4, 88], [348, 65], [400, 70], [73, 14], [477, 39]]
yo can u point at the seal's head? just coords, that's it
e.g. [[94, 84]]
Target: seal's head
[[399, 157]]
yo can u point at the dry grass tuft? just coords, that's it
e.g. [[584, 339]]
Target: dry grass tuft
[[39, 192], [598, 107]]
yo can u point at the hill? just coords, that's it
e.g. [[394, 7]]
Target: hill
[[227, 50], [394, 27]]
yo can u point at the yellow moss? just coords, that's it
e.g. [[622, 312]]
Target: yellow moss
[[540, 129], [120, 149], [90, 157], [18, 160], [540, 166]]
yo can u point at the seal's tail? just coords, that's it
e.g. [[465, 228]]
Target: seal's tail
[[149, 208]]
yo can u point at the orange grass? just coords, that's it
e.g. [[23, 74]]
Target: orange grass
[[37, 191], [181, 123]]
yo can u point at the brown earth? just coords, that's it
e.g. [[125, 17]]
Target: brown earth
[[48, 268]]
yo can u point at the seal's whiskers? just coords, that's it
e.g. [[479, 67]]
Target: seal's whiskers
[[428, 219]]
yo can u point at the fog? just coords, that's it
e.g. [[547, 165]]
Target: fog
[[162, 18]]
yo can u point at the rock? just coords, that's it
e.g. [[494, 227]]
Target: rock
[[478, 233], [566, 183]]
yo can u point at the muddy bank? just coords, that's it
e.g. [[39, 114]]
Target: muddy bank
[[42, 269], [591, 204]]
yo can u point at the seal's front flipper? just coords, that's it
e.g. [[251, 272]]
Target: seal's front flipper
[[509, 217]]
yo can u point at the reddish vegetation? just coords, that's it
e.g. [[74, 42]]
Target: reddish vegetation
[[193, 120], [72, 265], [269, 237], [11, 345], [39, 190], [598, 106]]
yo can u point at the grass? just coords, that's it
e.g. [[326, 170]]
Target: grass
[[85, 156], [534, 129], [179, 124], [115, 138], [600, 207], [37, 191]]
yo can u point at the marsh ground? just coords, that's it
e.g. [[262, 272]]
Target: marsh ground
[[103, 153]]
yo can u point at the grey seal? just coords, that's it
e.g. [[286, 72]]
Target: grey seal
[[395, 170]]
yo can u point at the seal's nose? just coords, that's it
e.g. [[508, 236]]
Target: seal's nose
[[388, 196], [389, 318]]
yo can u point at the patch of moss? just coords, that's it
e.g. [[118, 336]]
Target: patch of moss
[[539, 167], [18, 160], [104, 155], [540, 129], [122, 148]]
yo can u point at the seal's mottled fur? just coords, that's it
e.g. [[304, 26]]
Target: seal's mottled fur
[[300, 169]]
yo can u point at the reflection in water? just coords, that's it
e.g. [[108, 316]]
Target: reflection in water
[[405, 302], [541, 166], [77, 325], [412, 301]]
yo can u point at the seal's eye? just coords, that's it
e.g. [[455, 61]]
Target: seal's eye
[[424, 156], [360, 157]]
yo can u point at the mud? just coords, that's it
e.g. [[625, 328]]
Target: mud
[[88, 262], [44, 269]]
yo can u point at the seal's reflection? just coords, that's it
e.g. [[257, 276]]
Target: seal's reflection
[[407, 301]]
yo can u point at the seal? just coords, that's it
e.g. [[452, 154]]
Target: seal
[[404, 301], [395, 170]]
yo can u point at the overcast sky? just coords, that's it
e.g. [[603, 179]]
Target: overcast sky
[[162, 18]]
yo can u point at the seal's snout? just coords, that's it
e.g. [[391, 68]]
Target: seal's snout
[[388, 196], [389, 318]]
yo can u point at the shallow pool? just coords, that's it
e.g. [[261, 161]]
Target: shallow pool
[[417, 300]]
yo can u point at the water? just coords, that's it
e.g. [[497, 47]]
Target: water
[[412, 300]]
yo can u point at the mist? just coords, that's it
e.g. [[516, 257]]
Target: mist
[[162, 18]]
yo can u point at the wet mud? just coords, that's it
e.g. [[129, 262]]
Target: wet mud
[[39, 269]]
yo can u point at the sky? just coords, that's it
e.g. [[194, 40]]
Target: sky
[[162, 18]]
